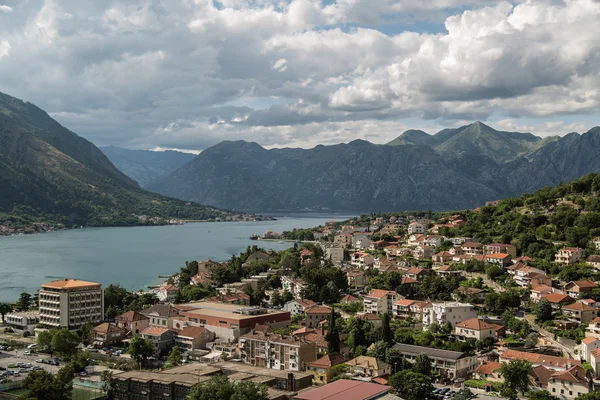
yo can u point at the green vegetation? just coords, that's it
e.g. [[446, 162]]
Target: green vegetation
[[140, 349], [219, 387], [42, 385], [411, 385], [515, 378], [117, 300]]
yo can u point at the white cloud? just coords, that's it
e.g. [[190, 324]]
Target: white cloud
[[5, 9], [186, 74]]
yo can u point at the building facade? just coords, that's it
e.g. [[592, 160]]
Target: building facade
[[380, 301], [70, 303], [453, 312], [268, 350]]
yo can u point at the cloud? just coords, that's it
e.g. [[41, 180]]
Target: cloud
[[187, 74], [5, 9]]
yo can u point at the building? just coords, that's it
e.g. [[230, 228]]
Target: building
[[380, 301], [488, 371], [23, 321], [558, 300], [587, 346], [551, 362], [580, 312], [176, 383], [402, 308], [322, 369], [361, 259], [345, 389], [416, 228], [298, 307], [133, 322], [70, 303], [293, 285], [373, 319], [348, 299], [335, 254], [269, 350], [593, 261], [569, 384], [442, 257], [316, 314], [163, 339], [496, 248], [500, 259], [167, 293], [161, 315], [596, 242], [193, 338], [228, 321], [356, 278], [472, 248], [449, 364], [368, 367], [108, 334], [416, 273], [453, 312], [477, 329], [569, 255], [578, 289], [593, 328]]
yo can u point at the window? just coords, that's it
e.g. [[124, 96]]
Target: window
[[203, 321], [223, 322], [164, 322]]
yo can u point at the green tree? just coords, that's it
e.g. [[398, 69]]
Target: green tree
[[247, 390], [589, 396], [276, 299], [379, 350], [174, 357], [81, 360], [217, 388], [411, 385], [541, 395], [286, 296], [333, 336], [5, 308], [422, 365], [515, 376], [387, 333], [85, 332], [464, 394], [24, 302], [44, 341], [543, 311], [65, 343], [140, 349], [42, 385], [108, 383]]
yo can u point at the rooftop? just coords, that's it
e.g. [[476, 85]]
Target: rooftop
[[69, 284], [225, 310], [378, 293], [536, 358], [428, 351], [344, 389], [191, 331]]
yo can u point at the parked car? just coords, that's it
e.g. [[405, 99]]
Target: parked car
[[89, 347], [32, 346], [27, 353]]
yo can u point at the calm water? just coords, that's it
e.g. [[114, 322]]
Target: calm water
[[132, 257]]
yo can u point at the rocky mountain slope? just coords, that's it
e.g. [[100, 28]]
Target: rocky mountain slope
[[48, 173], [145, 166], [454, 169]]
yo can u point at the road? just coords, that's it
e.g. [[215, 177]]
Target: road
[[549, 337], [15, 356]]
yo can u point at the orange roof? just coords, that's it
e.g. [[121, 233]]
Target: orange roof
[[500, 256], [378, 293], [405, 302], [476, 324], [191, 331], [574, 374], [131, 316], [154, 330], [69, 284], [415, 271], [369, 317], [303, 330], [108, 327], [488, 367], [349, 297], [579, 307], [537, 358], [589, 340], [329, 360], [558, 298], [584, 284], [446, 268], [407, 281], [541, 373], [318, 310]]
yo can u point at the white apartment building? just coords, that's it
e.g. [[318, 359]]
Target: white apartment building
[[415, 227], [453, 312], [23, 321], [70, 303], [569, 255], [380, 301]]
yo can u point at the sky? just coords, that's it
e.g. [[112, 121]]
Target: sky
[[187, 74]]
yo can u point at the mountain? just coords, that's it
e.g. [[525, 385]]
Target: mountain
[[476, 139], [145, 166], [444, 174], [49, 174]]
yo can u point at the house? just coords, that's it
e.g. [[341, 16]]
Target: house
[[161, 315], [540, 291], [423, 252], [472, 248], [453, 312], [316, 314], [449, 364], [361, 242], [586, 347], [231, 297], [163, 339], [442, 257], [458, 240], [280, 352], [580, 312], [293, 285], [469, 294], [488, 371], [577, 289], [108, 334], [305, 255], [361, 259], [370, 367], [593, 328], [348, 390], [342, 239], [558, 299], [415, 227], [500, 259], [569, 384], [478, 329], [416, 273], [539, 376], [201, 278], [193, 338], [379, 245], [207, 265], [402, 308], [256, 256], [297, 307], [23, 321], [569, 255], [373, 319], [596, 242], [348, 299], [496, 248], [322, 369], [593, 261], [335, 254], [447, 271], [551, 362], [133, 322], [380, 301], [433, 241], [356, 278]]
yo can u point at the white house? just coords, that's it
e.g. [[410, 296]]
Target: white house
[[415, 227], [380, 301], [453, 312]]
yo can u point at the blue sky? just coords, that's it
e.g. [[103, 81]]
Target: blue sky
[[188, 74]]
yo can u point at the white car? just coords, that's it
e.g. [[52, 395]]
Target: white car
[[32, 346], [27, 353]]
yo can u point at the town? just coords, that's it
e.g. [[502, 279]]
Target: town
[[398, 305]]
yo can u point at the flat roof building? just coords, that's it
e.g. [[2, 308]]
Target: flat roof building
[[70, 303], [345, 389]]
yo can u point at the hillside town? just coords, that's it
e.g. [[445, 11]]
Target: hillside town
[[378, 307]]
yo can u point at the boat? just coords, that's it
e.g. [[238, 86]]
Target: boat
[[281, 242]]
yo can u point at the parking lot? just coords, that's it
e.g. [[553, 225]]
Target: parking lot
[[13, 361]]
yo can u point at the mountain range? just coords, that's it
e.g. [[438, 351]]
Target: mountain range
[[452, 169], [48, 173], [145, 166]]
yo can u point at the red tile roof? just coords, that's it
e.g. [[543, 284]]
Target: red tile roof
[[318, 310], [557, 298], [589, 340], [154, 330], [579, 307], [345, 389], [574, 374], [536, 358], [131, 316], [192, 331], [378, 293], [477, 324], [328, 361], [488, 367]]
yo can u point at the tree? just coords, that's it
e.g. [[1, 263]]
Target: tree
[[422, 365], [42, 385], [332, 337], [44, 341], [65, 343], [81, 360], [247, 390], [276, 299], [379, 350], [532, 339], [108, 383], [174, 357], [589, 396], [411, 385], [140, 349], [387, 333], [217, 388], [515, 376], [24, 302], [85, 332], [286, 296], [543, 311], [541, 395], [464, 394], [5, 308]]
